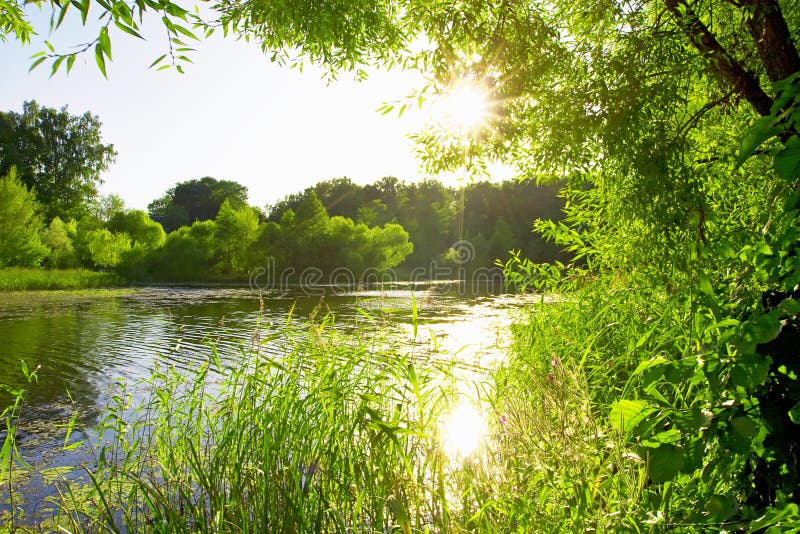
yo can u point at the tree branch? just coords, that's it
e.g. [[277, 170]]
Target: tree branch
[[744, 83]]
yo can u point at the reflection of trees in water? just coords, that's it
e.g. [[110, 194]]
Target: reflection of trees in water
[[65, 340]]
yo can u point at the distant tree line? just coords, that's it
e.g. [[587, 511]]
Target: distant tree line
[[493, 218], [52, 216]]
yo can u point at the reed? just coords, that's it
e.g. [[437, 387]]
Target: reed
[[343, 432]]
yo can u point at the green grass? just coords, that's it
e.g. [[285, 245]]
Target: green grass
[[23, 279]]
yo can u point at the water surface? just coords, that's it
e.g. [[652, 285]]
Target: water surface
[[85, 342]]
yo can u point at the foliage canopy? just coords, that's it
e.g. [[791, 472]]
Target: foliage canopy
[[57, 155]]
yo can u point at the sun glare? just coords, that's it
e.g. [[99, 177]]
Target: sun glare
[[463, 430], [464, 108]]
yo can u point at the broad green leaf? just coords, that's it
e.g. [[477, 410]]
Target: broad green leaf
[[760, 131], [751, 371], [721, 507], [704, 284], [626, 414], [766, 328], [787, 161], [744, 426], [665, 462], [776, 517], [790, 306], [649, 364]]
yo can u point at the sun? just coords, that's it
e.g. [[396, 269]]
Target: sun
[[464, 108]]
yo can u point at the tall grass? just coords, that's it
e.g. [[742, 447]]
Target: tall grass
[[341, 433], [333, 434], [20, 279]]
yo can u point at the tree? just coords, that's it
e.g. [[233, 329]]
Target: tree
[[107, 206], [143, 231], [195, 200], [237, 230], [106, 249], [187, 254], [20, 224], [390, 246], [58, 238], [57, 155]]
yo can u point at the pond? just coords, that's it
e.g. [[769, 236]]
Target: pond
[[85, 342]]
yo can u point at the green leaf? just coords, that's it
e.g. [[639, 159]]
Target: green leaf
[[790, 306], [648, 364], [751, 371], [62, 14], [626, 414], [101, 62], [787, 161], [776, 516], [704, 284], [744, 426], [105, 42], [128, 30], [70, 62], [414, 314], [794, 413], [37, 63], [184, 31], [56, 64], [721, 507], [84, 8], [766, 328], [760, 131], [158, 60], [665, 462]]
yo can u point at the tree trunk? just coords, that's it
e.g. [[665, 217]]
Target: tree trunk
[[744, 83], [773, 40]]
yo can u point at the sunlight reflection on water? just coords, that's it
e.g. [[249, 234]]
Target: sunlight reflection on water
[[463, 430]]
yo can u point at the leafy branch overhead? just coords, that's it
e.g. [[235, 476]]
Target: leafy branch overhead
[[181, 25]]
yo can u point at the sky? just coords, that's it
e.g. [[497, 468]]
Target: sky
[[233, 115]]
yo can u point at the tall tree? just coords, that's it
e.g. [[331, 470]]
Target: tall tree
[[57, 155], [195, 200]]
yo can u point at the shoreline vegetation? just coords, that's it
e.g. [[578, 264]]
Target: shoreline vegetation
[[37, 279], [343, 432]]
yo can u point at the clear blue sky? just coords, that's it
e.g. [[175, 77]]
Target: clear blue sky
[[233, 115]]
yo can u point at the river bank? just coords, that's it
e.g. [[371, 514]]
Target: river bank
[[30, 279]]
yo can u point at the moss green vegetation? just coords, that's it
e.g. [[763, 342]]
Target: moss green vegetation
[[21, 279]]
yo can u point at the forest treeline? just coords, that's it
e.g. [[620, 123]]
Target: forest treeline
[[205, 229]]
